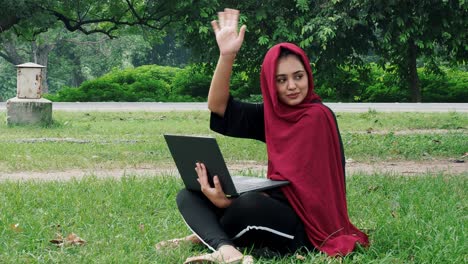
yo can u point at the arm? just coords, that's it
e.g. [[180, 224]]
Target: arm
[[229, 42]]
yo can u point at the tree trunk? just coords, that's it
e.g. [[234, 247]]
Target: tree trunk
[[413, 79], [10, 53], [77, 74], [41, 56]]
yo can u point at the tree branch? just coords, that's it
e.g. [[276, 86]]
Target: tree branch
[[8, 22]]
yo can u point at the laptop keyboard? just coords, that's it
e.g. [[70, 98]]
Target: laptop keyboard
[[245, 185]]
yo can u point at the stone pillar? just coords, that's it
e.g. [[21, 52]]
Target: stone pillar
[[28, 107]]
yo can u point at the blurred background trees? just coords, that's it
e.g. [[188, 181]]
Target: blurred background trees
[[360, 50]]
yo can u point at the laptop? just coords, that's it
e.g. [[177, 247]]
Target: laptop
[[187, 150]]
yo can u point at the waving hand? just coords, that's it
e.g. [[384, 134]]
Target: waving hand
[[228, 39]]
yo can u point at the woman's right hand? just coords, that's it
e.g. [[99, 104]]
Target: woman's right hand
[[228, 39]]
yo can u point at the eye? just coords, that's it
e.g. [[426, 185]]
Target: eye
[[281, 80], [298, 76]]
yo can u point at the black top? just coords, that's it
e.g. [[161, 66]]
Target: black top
[[246, 120], [243, 120]]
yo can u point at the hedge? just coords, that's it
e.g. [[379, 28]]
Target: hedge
[[153, 83]]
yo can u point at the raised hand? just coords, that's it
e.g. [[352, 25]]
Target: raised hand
[[216, 195], [228, 39]]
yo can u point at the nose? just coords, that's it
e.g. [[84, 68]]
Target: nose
[[291, 84]]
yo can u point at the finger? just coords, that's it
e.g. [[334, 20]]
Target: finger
[[221, 19], [235, 19], [241, 35], [233, 16], [202, 177], [215, 26], [217, 184], [231, 10]]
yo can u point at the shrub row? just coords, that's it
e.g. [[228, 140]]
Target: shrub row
[[153, 83]]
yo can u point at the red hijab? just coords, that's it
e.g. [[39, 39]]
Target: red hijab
[[303, 147]]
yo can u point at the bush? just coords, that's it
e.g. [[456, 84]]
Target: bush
[[192, 81], [146, 83], [152, 83], [383, 86], [451, 86]]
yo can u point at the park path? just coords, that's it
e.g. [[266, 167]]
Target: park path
[[394, 168], [336, 107]]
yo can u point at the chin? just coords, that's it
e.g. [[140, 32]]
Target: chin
[[291, 102]]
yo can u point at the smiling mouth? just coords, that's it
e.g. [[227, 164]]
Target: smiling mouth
[[294, 95]]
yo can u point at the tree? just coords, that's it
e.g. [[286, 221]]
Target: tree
[[428, 29], [403, 32], [17, 51], [338, 34], [265, 27], [24, 22], [90, 16], [70, 57]]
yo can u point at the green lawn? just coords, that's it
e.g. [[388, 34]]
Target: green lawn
[[134, 139], [409, 220], [420, 219]]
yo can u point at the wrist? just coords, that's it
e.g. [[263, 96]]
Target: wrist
[[226, 203], [227, 56]]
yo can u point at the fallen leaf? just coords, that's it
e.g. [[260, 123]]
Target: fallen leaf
[[58, 239], [71, 239], [300, 257], [141, 227], [16, 227]]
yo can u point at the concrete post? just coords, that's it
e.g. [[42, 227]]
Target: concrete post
[[28, 107]]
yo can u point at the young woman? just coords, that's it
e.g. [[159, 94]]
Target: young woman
[[304, 147]]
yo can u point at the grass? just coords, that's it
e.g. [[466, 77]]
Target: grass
[[134, 139], [408, 219]]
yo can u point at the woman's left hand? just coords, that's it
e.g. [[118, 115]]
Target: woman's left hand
[[215, 194]]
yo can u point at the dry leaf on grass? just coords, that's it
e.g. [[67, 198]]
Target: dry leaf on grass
[[300, 257], [71, 239], [16, 228]]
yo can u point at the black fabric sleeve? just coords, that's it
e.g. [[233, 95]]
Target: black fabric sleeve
[[243, 120]]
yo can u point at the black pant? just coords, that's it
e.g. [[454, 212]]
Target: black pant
[[253, 219]]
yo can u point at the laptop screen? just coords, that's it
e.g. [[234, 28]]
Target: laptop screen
[[187, 150]]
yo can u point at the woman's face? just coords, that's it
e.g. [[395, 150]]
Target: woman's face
[[292, 82]]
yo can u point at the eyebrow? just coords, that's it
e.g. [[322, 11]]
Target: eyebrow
[[296, 72]]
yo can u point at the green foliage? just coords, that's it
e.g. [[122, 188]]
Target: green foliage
[[7, 82], [192, 81], [450, 86], [370, 83], [145, 83], [337, 34], [374, 84]]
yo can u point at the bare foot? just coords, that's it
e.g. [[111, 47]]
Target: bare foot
[[225, 254], [172, 243]]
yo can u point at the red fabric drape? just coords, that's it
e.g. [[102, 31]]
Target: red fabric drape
[[303, 148]]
